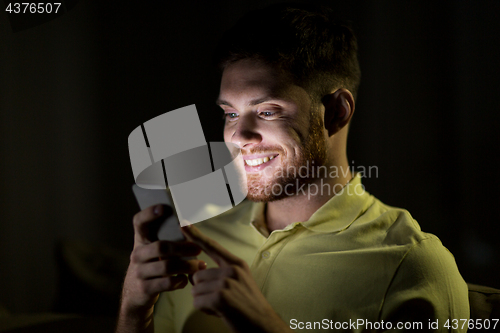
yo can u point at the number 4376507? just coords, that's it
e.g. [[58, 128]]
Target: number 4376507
[[478, 324], [33, 8]]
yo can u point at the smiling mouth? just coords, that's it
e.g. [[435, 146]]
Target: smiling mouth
[[259, 161]]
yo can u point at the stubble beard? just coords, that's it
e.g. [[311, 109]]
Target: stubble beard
[[311, 154]]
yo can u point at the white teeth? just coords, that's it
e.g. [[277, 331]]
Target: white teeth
[[258, 161]]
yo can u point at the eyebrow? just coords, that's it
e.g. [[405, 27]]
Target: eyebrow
[[252, 102]]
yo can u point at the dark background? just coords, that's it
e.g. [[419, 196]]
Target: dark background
[[72, 89]]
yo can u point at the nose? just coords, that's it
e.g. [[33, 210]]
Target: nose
[[245, 133]]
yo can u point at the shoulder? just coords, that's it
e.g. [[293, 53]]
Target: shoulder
[[426, 283], [389, 226], [422, 255], [422, 267], [429, 260]]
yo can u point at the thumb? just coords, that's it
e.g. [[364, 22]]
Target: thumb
[[148, 221]]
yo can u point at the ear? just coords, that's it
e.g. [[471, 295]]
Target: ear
[[339, 107]]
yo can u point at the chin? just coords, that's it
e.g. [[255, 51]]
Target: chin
[[261, 191], [262, 196]]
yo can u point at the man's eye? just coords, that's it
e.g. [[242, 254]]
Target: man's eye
[[231, 115], [267, 114]]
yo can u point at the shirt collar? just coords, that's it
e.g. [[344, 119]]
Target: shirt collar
[[257, 220], [336, 214]]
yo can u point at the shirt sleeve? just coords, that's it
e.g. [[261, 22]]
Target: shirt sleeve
[[427, 288]]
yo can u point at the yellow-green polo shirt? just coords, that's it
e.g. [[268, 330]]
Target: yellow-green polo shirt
[[355, 264]]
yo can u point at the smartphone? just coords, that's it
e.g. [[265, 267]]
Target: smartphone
[[170, 229]]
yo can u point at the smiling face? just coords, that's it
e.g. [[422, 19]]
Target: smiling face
[[276, 125]]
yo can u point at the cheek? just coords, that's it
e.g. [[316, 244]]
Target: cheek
[[227, 134], [293, 137], [287, 139]]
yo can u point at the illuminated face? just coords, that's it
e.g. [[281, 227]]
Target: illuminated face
[[276, 126]]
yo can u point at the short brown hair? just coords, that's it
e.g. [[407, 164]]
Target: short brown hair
[[304, 41]]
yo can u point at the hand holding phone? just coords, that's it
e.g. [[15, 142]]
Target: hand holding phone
[[155, 265], [170, 229]]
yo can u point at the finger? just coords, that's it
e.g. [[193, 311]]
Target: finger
[[155, 286], [164, 249], [216, 251], [213, 274], [148, 221], [201, 266], [209, 303], [164, 268], [208, 287], [180, 249]]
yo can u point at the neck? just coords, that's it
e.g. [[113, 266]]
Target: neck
[[301, 206]]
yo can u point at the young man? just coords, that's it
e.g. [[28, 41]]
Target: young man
[[313, 250]]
